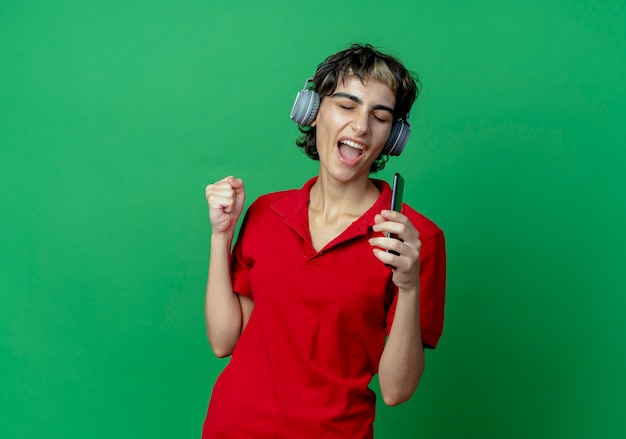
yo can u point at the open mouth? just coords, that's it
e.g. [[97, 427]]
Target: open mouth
[[350, 149]]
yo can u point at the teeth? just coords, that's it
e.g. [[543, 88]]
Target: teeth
[[352, 144]]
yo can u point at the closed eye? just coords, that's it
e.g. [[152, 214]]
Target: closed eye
[[382, 118], [346, 104]]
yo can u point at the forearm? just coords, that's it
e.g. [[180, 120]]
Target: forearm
[[222, 307], [402, 361]]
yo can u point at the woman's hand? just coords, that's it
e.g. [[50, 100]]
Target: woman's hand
[[226, 198], [406, 269]]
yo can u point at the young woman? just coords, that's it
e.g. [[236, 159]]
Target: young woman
[[306, 302]]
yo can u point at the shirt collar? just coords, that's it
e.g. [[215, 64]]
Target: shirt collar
[[294, 205]]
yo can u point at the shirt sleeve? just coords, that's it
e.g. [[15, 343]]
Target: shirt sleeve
[[241, 263], [432, 291]]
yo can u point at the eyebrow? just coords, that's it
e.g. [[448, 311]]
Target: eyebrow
[[358, 101]]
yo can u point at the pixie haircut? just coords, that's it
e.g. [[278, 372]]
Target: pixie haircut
[[364, 62]]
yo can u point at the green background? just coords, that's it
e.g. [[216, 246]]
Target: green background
[[115, 115]]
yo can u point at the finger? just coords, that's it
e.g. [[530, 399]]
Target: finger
[[239, 192], [392, 215], [229, 181], [220, 190], [220, 202], [237, 185], [390, 227], [396, 244], [234, 182], [386, 243], [219, 198], [224, 182], [389, 259], [222, 187]]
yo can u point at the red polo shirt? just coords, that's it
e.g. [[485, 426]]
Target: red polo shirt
[[303, 365]]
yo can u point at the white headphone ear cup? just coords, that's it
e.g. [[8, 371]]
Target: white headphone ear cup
[[305, 107], [398, 138]]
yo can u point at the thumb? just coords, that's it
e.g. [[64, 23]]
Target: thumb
[[237, 185], [240, 193], [235, 182]]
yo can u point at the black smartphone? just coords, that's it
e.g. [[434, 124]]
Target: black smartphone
[[396, 192], [396, 203]]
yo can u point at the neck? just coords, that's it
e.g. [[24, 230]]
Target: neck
[[332, 198]]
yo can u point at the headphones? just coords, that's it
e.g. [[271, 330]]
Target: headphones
[[307, 104]]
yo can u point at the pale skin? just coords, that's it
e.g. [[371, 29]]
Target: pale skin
[[357, 116]]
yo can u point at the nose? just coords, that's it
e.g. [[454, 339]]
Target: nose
[[360, 123]]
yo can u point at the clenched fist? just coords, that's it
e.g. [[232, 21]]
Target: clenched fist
[[226, 198]]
